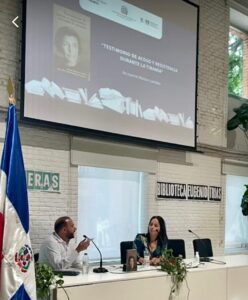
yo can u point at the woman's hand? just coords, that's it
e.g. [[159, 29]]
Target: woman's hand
[[141, 260], [155, 261]]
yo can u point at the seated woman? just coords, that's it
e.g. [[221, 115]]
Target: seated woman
[[155, 241]]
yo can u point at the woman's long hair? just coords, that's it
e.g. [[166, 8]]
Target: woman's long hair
[[162, 235]]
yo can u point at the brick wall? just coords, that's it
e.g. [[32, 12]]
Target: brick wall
[[245, 67], [212, 76], [46, 149], [202, 217], [10, 46]]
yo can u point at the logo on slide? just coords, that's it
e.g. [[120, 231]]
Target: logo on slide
[[124, 10]]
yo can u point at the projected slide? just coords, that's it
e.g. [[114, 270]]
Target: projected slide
[[122, 67]]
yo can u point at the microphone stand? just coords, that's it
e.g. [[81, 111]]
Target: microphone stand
[[202, 259], [100, 269]]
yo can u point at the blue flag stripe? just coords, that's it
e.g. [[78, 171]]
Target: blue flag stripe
[[13, 166], [21, 294]]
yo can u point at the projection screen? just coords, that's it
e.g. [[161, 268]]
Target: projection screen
[[128, 68]]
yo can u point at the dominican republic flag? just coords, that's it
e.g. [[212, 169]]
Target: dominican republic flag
[[17, 276]]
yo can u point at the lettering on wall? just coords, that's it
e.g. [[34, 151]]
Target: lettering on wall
[[42, 181], [215, 193], [169, 190], [199, 192]]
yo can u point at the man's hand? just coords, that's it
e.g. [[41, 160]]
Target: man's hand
[[83, 245]]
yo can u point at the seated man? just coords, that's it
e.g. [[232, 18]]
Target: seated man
[[58, 250]]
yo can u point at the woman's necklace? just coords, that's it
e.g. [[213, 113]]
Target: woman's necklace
[[153, 246]]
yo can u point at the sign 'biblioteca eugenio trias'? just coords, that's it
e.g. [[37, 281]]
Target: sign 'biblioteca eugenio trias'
[[169, 190]]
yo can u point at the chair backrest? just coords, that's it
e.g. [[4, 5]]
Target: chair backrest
[[124, 246], [36, 257], [178, 247], [204, 247]]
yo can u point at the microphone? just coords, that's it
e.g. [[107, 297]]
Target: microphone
[[100, 269], [202, 259]]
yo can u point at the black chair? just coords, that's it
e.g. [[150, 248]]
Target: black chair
[[203, 247], [36, 257], [178, 247], [124, 246]]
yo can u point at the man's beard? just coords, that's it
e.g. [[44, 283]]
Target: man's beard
[[70, 236]]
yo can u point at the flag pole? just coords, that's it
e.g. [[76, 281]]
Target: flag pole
[[12, 101], [17, 272], [10, 90]]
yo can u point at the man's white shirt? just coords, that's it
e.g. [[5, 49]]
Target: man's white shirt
[[58, 254]]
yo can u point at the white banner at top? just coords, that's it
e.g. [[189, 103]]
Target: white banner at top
[[125, 14]]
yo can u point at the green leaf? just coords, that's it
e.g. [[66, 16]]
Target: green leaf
[[240, 119], [175, 267], [244, 202], [233, 123], [45, 277]]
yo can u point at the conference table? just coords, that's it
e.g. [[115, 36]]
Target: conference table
[[209, 281]]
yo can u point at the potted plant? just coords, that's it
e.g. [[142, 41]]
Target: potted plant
[[244, 202], [45, 279], [176, 268], [240, 119]]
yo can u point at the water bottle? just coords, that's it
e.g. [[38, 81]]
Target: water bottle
[[197, 258], [85, 263], [146, 257]]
